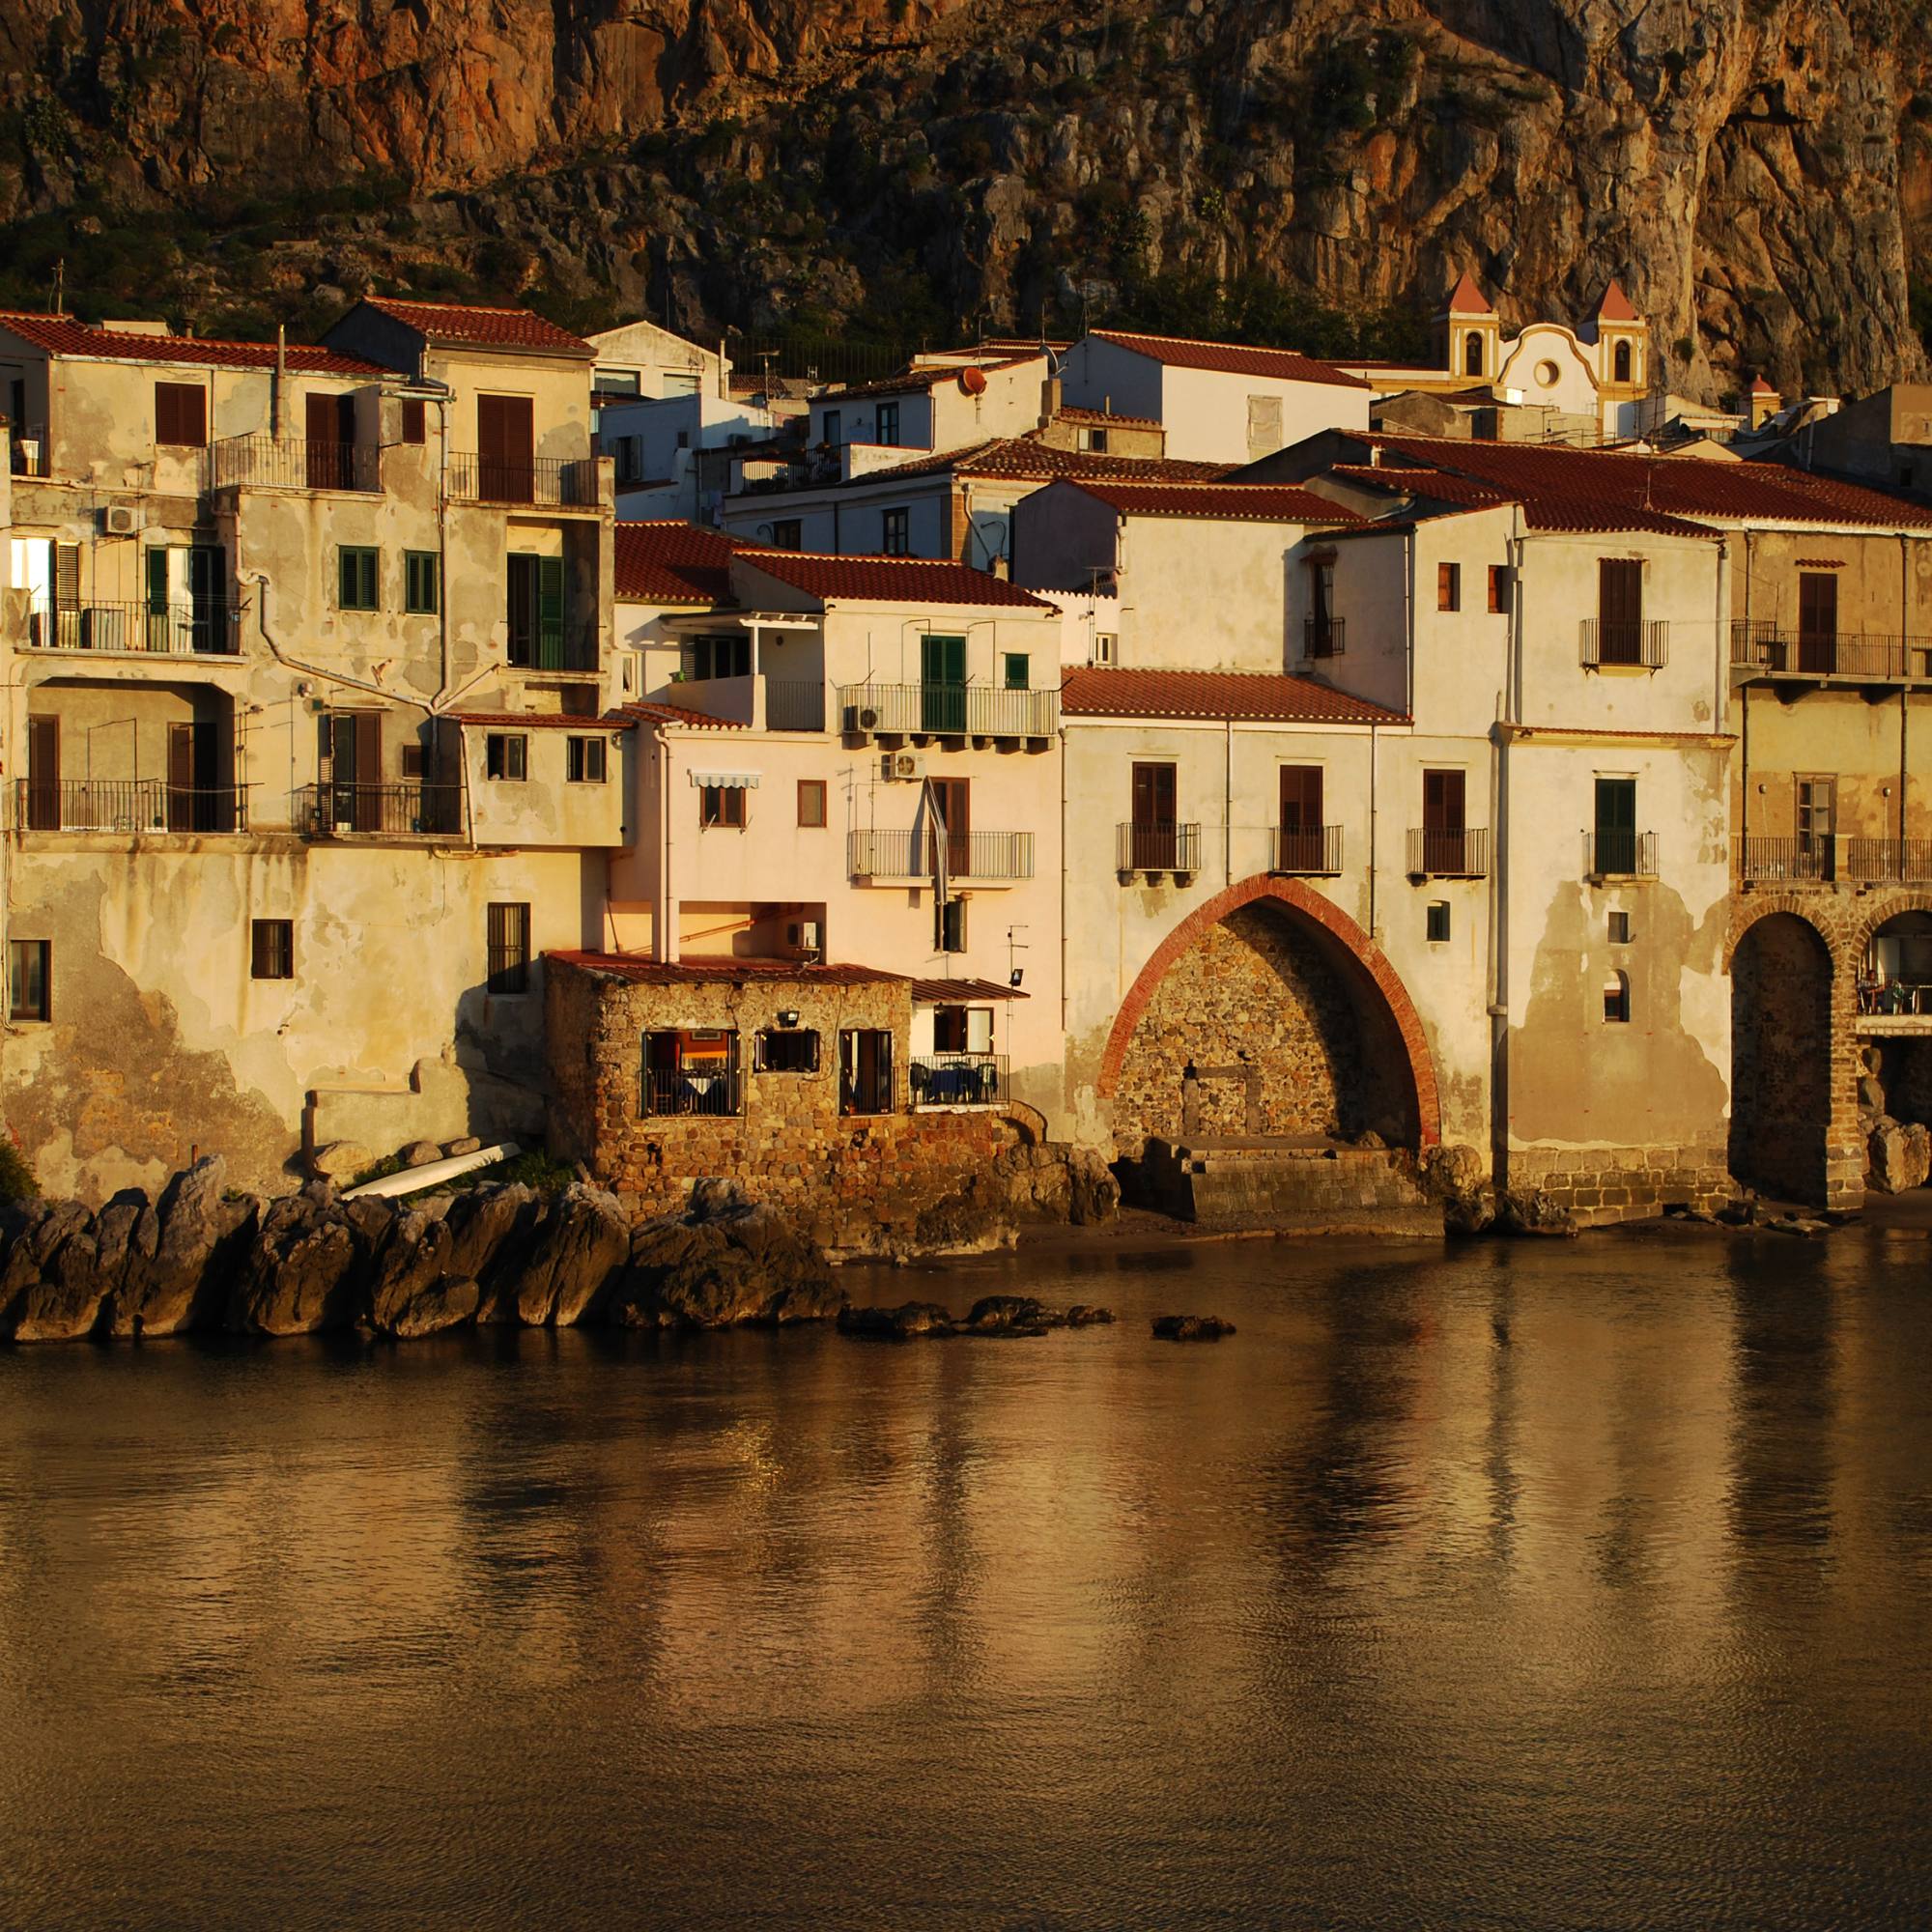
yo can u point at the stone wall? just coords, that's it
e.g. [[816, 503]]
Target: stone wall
[[1601, 1184], [1337, 1190]]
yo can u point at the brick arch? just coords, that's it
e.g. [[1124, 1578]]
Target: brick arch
[[1874, 914], [1747, 911], [1372, 967]]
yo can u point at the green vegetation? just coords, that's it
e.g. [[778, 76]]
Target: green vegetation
[[1258, 309], [17, 1180]]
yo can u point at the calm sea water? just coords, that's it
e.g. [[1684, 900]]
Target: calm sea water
[[1506, 1586]]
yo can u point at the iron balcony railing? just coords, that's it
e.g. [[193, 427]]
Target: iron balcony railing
[[1313, 851], [1323, 637], [794, 704], [1882, 860], [568, 482], [1620, 855], [948, 711], [133, 806], [1764, 644], [957, 1079], [552, 647], [390, 811], [1804, 858], [1645, 644], [919, 854], [27, 450], [1153, 847], [140, 628], [293, 463], [1457, 852], [719, 1095]]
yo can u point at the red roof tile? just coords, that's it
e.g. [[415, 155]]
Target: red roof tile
[[918, 581], [677, 713], [1104, 419], [723, 972], [61, 335], [1214, 694], [1760, 387], [656, 562], [465, 327], [1231, 358], [927, 377], [1223, 502], [545, 720], [1615, 305], [1466, 298], [1025, 458]]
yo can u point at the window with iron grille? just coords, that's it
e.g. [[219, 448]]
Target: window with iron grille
[[509, 948], [180, 415], [786, 1050], [720, 805], [30, 978], [422, 582], [584, 760], [506, 755], [355, 576], [272, 953]]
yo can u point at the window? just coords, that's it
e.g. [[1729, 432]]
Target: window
[[1437, 926], [1323, 632], [355, 578], [1817, 620], [1473, 353], [887, 424], [1621, 362], [834, 428], [949, 926], [1617, 1000], [1094, 439], [534, 612], [422, 582], [414, 764], [1302, 847], [30, 978], [506, 755], [509, 937], [1445, 841], [1616, 840], [963, 1029], [1548, 374], [1499, 587], [811, 801], [1106, 647], [722, 805], [1263, 425], [691, 1070], [1018, 669], [787, 533], [415, 415], [272, 953], [865, 1071], [1448, 587], [180, 413], [1620, 928], [579, 700], [786, 1050], [1619, 610], [895, 538], [684, 439], [708, 657], [629, 450], [618, 382], [584, 760], [681, 383]]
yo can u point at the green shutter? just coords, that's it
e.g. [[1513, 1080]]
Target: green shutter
[[549, 613]]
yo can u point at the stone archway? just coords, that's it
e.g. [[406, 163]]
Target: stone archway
[[1274, 979], [1784, 1055]]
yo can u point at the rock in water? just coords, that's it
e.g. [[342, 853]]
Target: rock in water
[[304, 1272], [446, 1301], [1532, 1212], [896, 1325], [580, 1246], [724, 1262], [1008, 1314], [1190, 1327], [177, 1262]]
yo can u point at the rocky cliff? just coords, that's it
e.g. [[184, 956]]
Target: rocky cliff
[[1758, 173]]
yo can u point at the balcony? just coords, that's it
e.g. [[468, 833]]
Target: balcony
[[1863, 657], [1312, 852], [552, 647], [1620, 855], [1643, 645], [1453, 852], [672, 1092], [293, 463], [948, 711], [27, 450], [384, 812], [136, 628], [1323, 637], [794, 704], [552, 482], [1883, 861], [1154, 848], [957, 1079], [1807, 859], [980, 856], [129, 808]]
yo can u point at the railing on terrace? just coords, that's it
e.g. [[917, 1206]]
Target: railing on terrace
[[131, 805], [1645, 644], [293, 463], [553, 646], [919, 854], [139, 628], [391, 810], [1154, 848], [1803, 859], [714, 1096], [948, 710], [1872, 862], [569, 482], [1760, 644], [1313, 851], [1620, 855], [1437, 852], [27, 452], [794, 704], [1323, 637], [959, 1079]]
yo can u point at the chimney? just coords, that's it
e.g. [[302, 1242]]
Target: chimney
[[1049, 400]]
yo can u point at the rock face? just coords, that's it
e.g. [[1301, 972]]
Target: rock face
[[1898, 1156], [1759, 179]]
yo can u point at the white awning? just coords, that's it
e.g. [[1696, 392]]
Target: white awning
[[730, 780]]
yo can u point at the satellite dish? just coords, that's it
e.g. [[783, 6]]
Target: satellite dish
[[763, 533], [973, 381]]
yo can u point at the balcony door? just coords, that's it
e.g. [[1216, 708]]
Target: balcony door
[[331, 455], [1616, 849], [193, 775], [951, 805], [505, 449], [1443, 824], [536, 611], [1817, 620], [1155, 837], [1817, 821], [207, 597], [350, 776], [1300, 818], [44, 775], [1619, 610], [941, 686]]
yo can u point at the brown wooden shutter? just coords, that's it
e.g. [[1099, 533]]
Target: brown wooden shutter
[[952, 796], [181, 777], [368, 770], [1442, 801], [413, 420], [1301, 798], [44, 780], [180, 413], [505, 445]]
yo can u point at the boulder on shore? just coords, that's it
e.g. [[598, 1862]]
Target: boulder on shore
[[1897, 1156]]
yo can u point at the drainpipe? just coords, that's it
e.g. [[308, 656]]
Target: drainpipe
[[1375, 745], [663, 946], [1722, 686], [1228, 806], [1511, 708]]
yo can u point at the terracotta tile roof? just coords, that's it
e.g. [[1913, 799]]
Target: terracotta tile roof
[[1025, 458], [1466, 298], [926, 377], [1231, 358], [462, 326], [1104, 419], [1760, 387], [918, 581], [1615, 305], [724, 972], [1223, 502], [940, 991], [668, 562], [1214, 694], [61, 335], [677, 713], [545, 720]]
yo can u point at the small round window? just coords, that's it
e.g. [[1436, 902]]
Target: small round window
[[1547, 373]]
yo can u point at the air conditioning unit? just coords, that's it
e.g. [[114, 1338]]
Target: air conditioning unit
[[899, 766], [121, 520], [803, 939], [1106, 647]]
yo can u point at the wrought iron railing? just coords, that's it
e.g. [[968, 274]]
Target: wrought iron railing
[[1314, 851], [293, 463], [569, 482], [1455, 852], [133, 806], [794, 704], [948, 710], [717, 1095], [1644, 642], [140, 626], [392, 811], [1883, 656], [919, 854], [1806, 858], [957, 1079], [1154, 847], [552, 647], [1620, 855], [1882, 860], [1323, 637]]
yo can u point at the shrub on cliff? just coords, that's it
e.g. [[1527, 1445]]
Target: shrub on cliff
[[17, 1180]]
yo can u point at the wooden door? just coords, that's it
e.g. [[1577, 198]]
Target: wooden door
[[1619, 610], [1817, 620], [952, 806], [505, 449], [942, 685], [1817, 821], [330, 451], [1443, 802], [43, 779], [1300, 819], [1155, 837]]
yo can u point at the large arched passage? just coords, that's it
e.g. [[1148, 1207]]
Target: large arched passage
[[1290, 1018], [1782, 1057]]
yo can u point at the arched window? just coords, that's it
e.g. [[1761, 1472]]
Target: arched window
[[1623, 362], [1617, 999], [1472, 354]]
